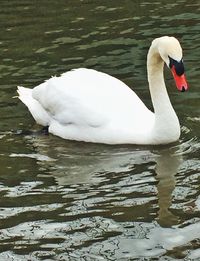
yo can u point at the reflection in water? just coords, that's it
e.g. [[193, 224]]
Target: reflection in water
[[167, 167], [89, 163], [76, 163], [102, 191], [159, 240]]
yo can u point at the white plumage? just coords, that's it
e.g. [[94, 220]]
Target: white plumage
[[87, 105]]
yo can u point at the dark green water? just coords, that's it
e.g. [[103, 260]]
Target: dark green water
[[62, 200]]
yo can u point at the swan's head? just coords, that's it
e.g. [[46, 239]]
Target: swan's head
[[170, 51]]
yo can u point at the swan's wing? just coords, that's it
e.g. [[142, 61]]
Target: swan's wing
[[87, 97], [70, 99]]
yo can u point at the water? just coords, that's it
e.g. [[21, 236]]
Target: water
[[62, 200]]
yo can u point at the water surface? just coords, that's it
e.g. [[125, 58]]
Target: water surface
[[64, 200]]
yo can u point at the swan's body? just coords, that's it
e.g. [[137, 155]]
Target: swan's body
[[87, 105]]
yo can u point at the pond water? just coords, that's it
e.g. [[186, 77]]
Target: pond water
[[64, 200]]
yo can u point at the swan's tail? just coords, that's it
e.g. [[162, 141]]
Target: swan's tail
[[38, 112], [25, 95]]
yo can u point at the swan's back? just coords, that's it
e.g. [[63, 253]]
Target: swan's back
[[88, 105], [96, 92]]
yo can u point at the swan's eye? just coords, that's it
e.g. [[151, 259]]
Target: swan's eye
[[178, 66]]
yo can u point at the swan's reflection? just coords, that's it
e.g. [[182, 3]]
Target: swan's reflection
[[72, 163], [75, 163], [167, 165]]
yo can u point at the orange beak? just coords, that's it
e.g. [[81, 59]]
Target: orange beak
[[180, 80]]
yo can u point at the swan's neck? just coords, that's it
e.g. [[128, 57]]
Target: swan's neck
[[166, 124]]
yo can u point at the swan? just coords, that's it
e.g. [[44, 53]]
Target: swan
[[92, 106]]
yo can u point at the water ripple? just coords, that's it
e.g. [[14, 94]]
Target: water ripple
[[62, 200]]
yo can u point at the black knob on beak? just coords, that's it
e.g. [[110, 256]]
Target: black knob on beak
[[183, 89]]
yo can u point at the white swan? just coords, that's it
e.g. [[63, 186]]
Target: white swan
[[87, 105]]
